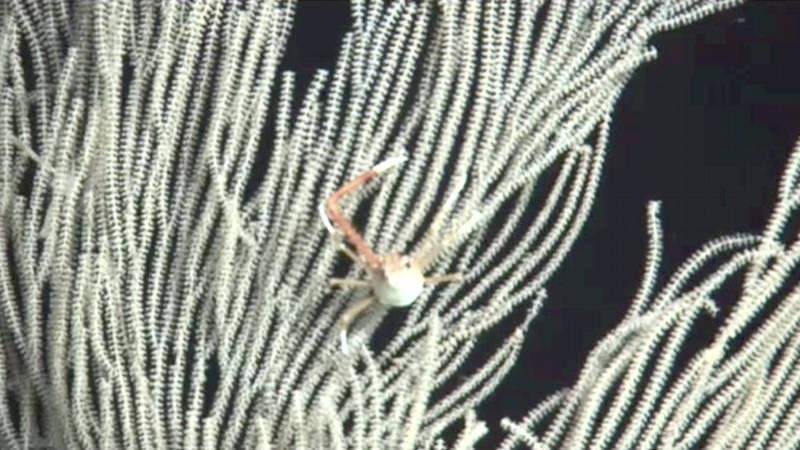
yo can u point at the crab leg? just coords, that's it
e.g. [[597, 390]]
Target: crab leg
[[348, 282], [350, 315], [336, 214], [449, 278]]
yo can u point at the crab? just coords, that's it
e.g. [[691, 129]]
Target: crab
[[394, 279]]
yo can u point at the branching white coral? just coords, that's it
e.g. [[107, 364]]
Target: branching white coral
[[740, 390], [150, 298]]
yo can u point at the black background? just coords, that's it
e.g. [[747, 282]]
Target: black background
[[706, 129]]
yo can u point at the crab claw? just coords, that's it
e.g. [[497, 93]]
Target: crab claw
[[388, 163]]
